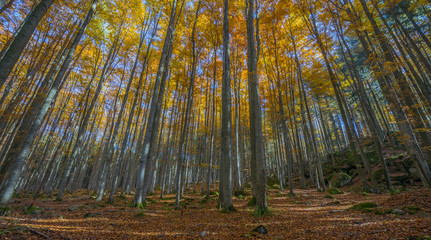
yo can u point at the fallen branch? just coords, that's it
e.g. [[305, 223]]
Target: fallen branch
[[38, 233]]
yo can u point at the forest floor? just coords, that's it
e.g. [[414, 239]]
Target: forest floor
[[308, 215]]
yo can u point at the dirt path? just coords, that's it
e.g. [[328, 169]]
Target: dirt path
[[309, 215]]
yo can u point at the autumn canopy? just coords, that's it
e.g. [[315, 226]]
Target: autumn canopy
[[257, 105]]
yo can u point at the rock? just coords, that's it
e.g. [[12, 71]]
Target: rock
[[5, 211], [398, 212], [37, 211], [414, 172], [75, 207], [260, 229], [34, 210], [340, 180], [203, 234], [334, 203], [90, 215]]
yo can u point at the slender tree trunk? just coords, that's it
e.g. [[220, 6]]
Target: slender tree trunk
[[20, 39], [184, 131], [258, 164], [225, 195]]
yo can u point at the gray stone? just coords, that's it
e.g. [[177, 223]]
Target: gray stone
[[260, 229], [203, 234], [75, 207], [340, 180], [398, 212]]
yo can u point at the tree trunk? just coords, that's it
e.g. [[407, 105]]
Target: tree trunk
[[258, 164], [21, 38]]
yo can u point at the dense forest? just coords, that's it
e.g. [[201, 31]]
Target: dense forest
[[236, 104]]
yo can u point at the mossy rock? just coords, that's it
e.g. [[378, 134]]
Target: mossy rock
[[372, 156], [5, 211], [241, 197], [411, 209], [272, 181], [214, 193], [238, 193], [91, 215], [379, 174], [364, 205], [382, 211], [334, 191], [140, 214], [33, 210], [340, 180]]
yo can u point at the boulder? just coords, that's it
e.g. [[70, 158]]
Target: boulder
[[398, 212], [75, 207], [340, 180], [260, 229]]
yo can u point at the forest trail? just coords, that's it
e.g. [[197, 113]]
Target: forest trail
[[308, 215]]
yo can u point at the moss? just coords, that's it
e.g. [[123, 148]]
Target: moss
[[237, 193], [272, 181], [372, 156], [5, 211], [252, 202], [329, 196], [258, 211], [90, 215], [279, 194], [140, 205], [379, 174], [340, 179], [364, 205], [382, 211], [364, 194], [334, 191], [241, 197], [395, 191], [140, 214], [367, 210], [411, 209], [214, 193], [229, 209], [32, 210]]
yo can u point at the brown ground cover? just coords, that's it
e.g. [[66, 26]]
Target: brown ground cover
[[308, 215]]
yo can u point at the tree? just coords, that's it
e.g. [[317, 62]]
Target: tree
[[258, 164], [225, 195], [21, 37]]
